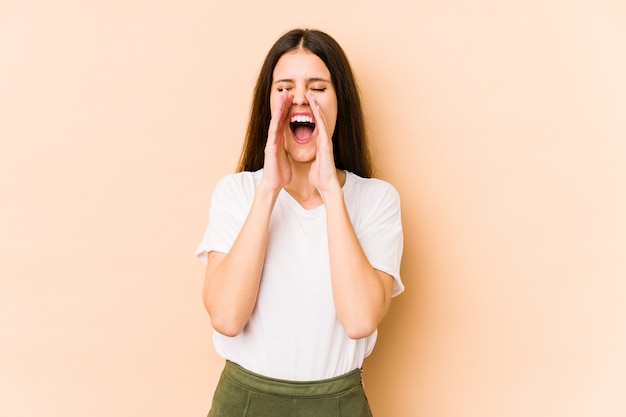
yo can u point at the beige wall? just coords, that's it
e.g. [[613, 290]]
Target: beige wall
[[500, 123]]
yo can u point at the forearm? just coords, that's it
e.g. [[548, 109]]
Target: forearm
[[232, 280], [362, 296]]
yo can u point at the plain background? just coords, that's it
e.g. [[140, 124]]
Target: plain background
[[501, 123]]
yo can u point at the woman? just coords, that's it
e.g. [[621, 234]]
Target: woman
[[302, 248]]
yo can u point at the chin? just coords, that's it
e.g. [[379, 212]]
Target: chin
[[301, 159], [303, 153], [302, 156]]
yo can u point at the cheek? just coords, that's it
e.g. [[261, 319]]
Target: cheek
[[330, 114]]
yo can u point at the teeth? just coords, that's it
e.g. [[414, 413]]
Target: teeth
[[300, 118]]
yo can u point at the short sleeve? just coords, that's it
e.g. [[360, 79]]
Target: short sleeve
[[230, 205], [378, 225]]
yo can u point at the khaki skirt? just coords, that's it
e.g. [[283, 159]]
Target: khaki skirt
[[241, 393]]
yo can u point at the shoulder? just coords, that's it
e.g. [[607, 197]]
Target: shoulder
[[239, 186], [241, 181], [242, 178], [369, 188]]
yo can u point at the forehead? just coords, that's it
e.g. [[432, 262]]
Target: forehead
[[300, 63]]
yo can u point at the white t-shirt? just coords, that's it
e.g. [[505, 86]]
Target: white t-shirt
[[294, 332]]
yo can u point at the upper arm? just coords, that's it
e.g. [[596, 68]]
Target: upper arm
[[387, 282], [214, 258]]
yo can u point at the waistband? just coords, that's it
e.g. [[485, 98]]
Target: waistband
[[260, 383]]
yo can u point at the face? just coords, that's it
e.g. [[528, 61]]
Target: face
[[301, 72]]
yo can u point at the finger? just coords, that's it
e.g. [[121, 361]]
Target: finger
[[280, 116], [320, 121], [317, 111], [285, 104]]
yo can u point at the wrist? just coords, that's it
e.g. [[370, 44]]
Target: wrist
[[266, 193], [332, 195]]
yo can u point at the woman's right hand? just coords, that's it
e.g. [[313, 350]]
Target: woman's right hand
[[277, 167]]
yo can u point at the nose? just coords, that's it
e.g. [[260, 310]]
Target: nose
[[299, 96]]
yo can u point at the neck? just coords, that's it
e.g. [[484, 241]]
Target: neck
[[300, 188]]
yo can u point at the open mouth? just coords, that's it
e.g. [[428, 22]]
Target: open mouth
[[302, 127]]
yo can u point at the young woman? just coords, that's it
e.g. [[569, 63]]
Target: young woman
[[303, 247]]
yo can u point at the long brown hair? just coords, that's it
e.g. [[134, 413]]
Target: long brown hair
[[349, 138]]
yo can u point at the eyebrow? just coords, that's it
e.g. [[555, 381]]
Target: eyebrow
[[309, 80]]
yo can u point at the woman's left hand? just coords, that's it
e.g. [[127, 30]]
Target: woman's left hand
[[323, 173]]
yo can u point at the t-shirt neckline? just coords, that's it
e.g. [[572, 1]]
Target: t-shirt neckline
[[317, 210]]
